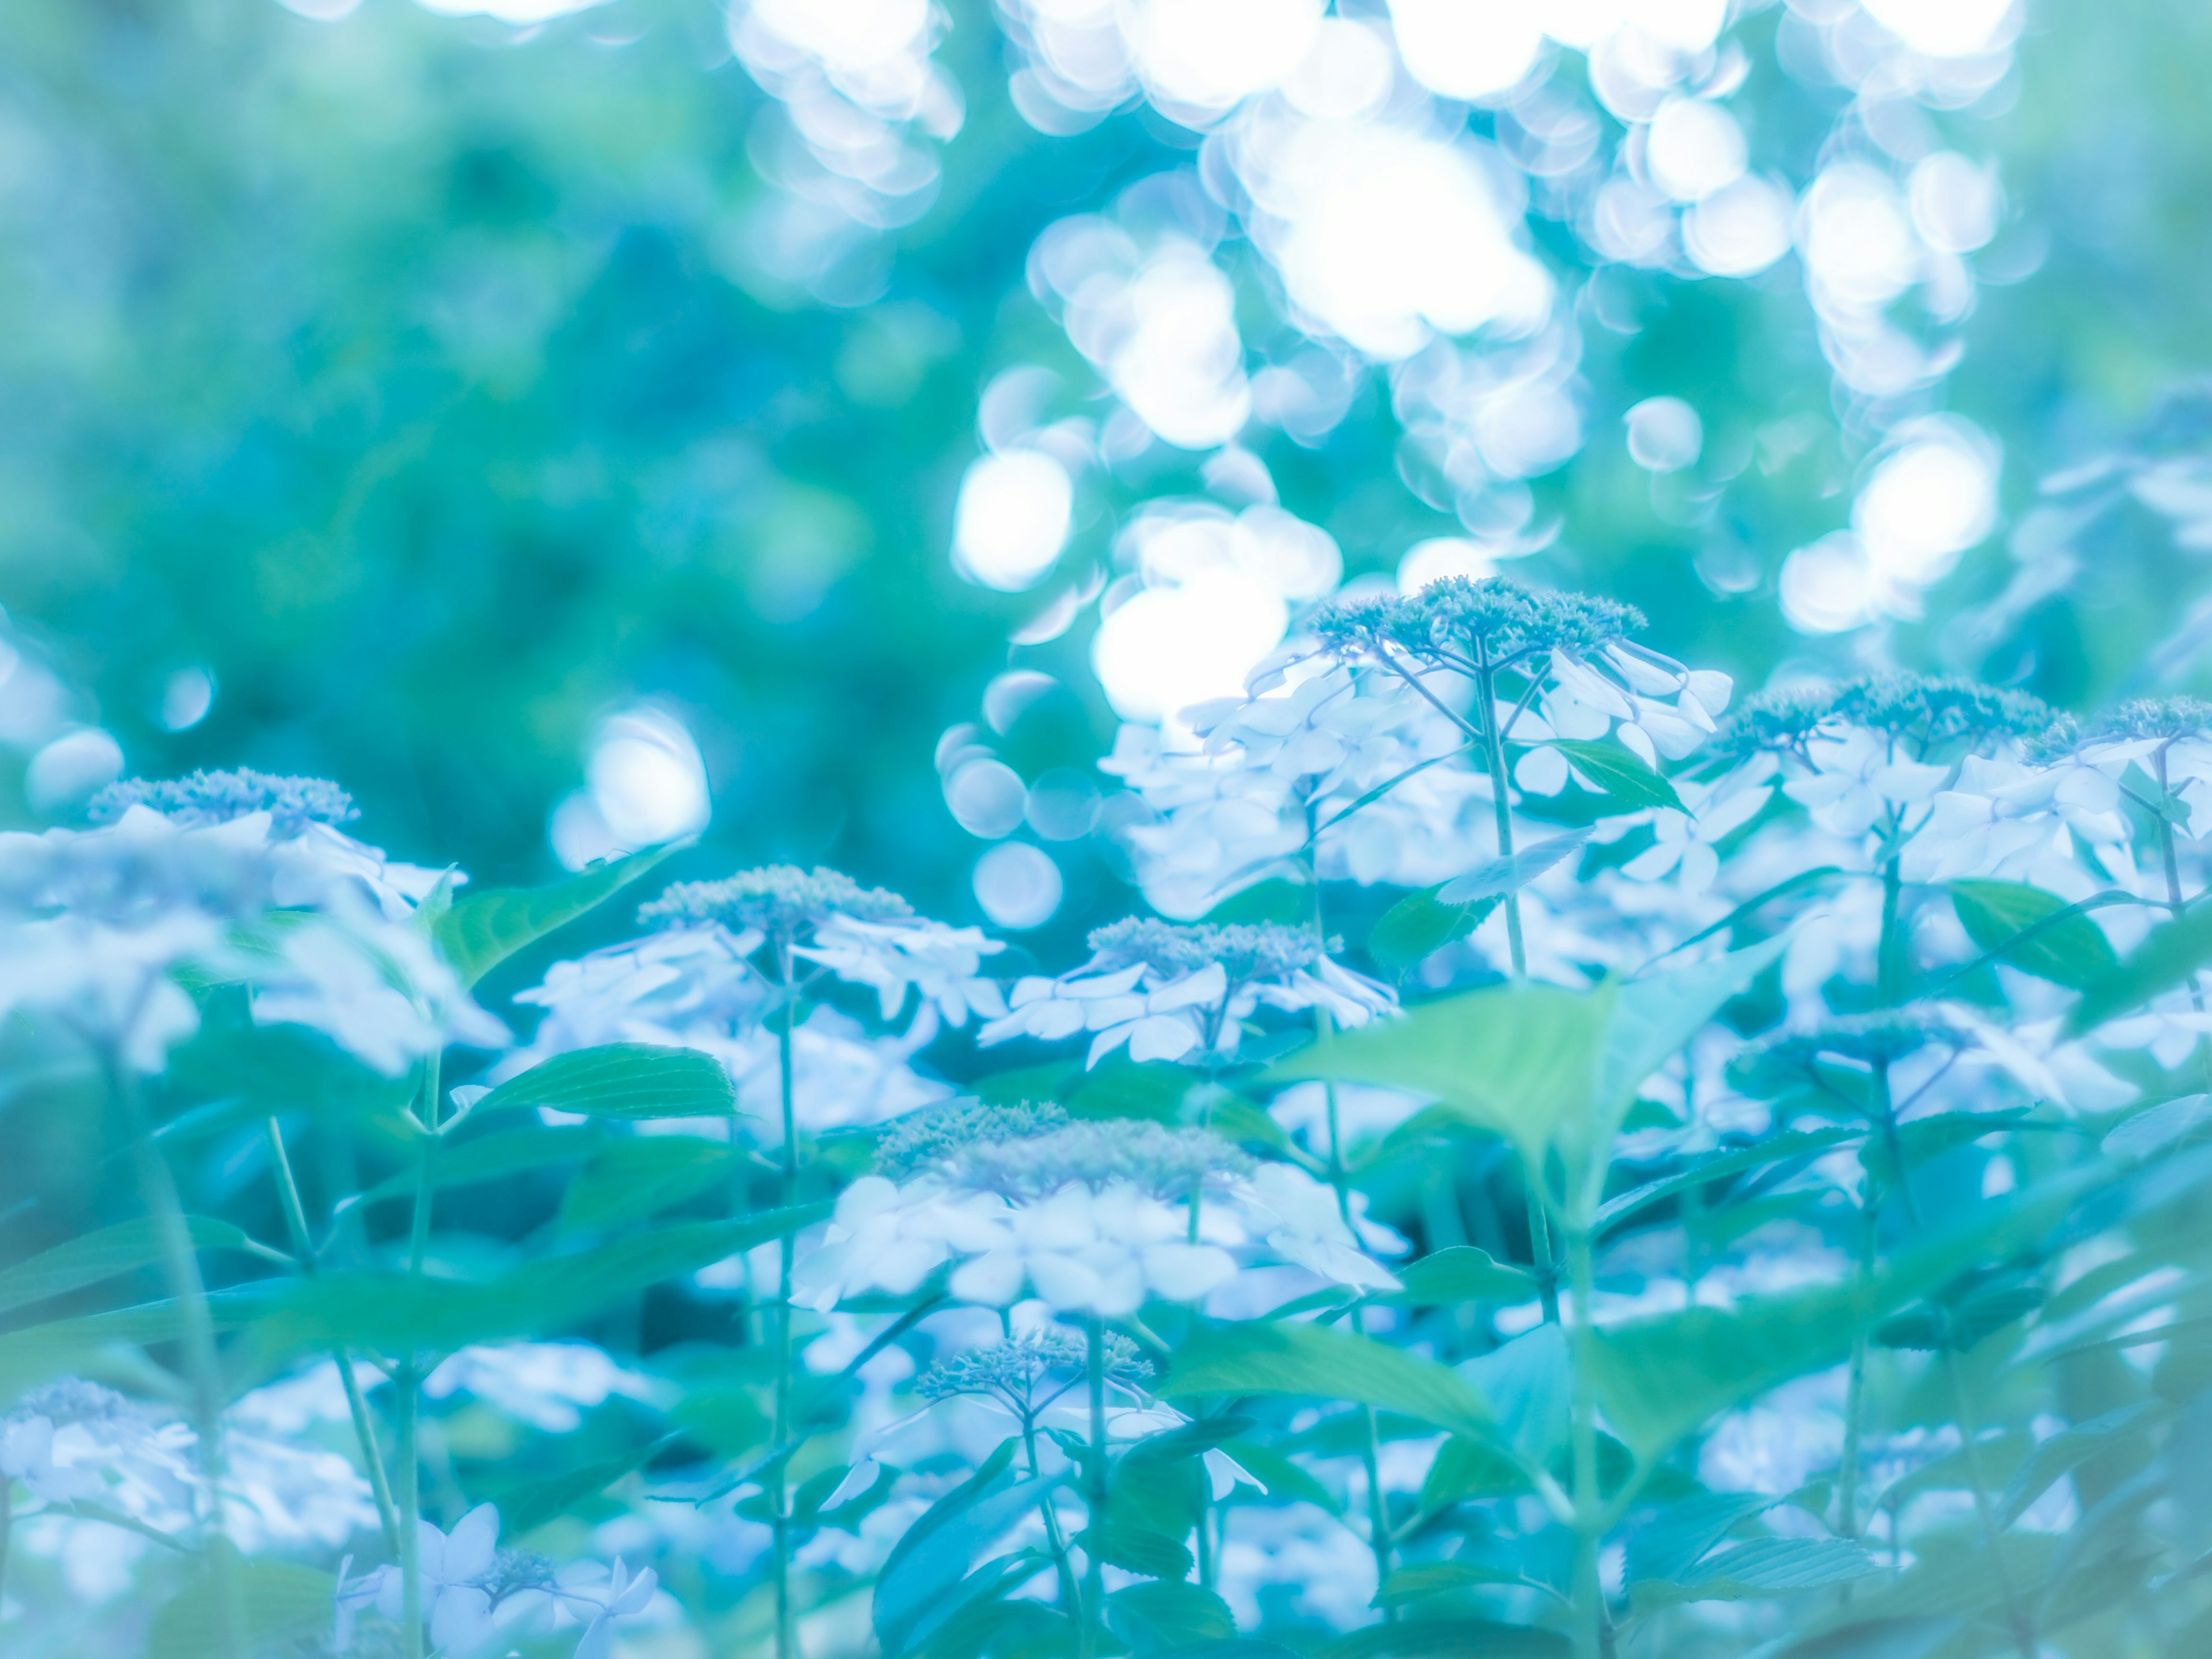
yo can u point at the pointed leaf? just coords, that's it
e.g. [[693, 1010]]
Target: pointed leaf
[[484, 929], [2036, 932], [1806, 1144], [1515, 871], [2172, 954], [625, 1081], [632, 1179], [1418, 925], [1456, 1274], [1330, 1364], [107, 1254], [1165, 1614], [495, 1157], [1614, 771], [1766, 1567]]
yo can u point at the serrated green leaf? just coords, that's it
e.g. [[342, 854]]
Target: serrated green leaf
[[276, 1602], [625, 1081], [110, 1252], [1669, 1546], [1765, 1567], [530, 1504], [1418, 925], [2174, 951], [1285, 1481], [483, 930], [1513, 871], [2029, 928], [1164, 1613], [1781, 1149], [1468, 1469], [1330, 1364], [1458, 1274], [1615, 772], [1428, 1578], [632, 1179], [1135, 1548], [2068, 1449], [496, 1157]]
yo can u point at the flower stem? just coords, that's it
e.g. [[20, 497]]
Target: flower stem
[[1071, 1598], [1590, 1612], [1501, 802], [1540, 1251], [2023, 1628], [407, 1381], [303, 1247], [1093, 1628], [203, 1365], [786, 1628]]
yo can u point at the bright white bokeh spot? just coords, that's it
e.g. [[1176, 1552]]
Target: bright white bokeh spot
[[523, 14], [1943, 29], [187, 696], [1018, 884], [1664, 434], [1827, 587], [1012, 519], [1177, 543], [1739, 230], [1179, 364], [1386, 238], [986, 798], [1468, 48], [1933, 497], [1213, 54], [1444, 555], [67, 771], [1693, 148], [1346, 73], [1858, 237], [322, 11], [846, 35], [1528, 429], [1165, 648], [1956, 202], [645, 785]]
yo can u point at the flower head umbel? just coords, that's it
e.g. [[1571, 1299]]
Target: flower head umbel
[[779, 900], [1184, 991], [208, 798], [1027, 1373], [1092, 1217]]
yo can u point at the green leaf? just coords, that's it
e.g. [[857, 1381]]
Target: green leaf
[[1965, 1314], [1765, 1567], [1330, 1364], [1614, 771], [1513, 871], [398, 1313], [1418, 925], [1165, 1614], [1285, 1481], [1516, 1061], [1781, 1149], [107, 1254], [632, 1179], [1272, 900], [1465, 1470], [484, 929], [495, 1157], [1162, 1495], [2174, 953], [1669, 1546], [1122, 1087], [1931, 1137], [1658, 1379], [276, 1601], [38, 1352], [625, 1081], [1136, 1548], [2069, 1448], [528, 1504], [1428, 1578], [1456, 1274], [2031, 929], [1529, 1383], [926, 1578], [1876, 1638], [1447, 1639]]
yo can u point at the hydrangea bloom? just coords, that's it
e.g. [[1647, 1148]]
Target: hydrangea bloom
[[1183, 992], [1093, 1216]]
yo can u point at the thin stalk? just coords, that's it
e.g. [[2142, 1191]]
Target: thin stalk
[[1379, 1538], [295, 1222], [1847, 1476], [1093, 1627], [2173, 897], [1070, 1597], [1590, 1612], [1539, 1250], [407, 1381], [1502, 806], [2023, 1628], [786, 1628], [203, 1365], [1889, 953]]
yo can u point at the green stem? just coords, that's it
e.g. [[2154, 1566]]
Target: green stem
[[1889, 953], [1589, 1613], [303, 1247], [1379, 1539], [1539, 1250], [1501, 806], [2023, 1628], [1093, 1629], [786, 1628], [1070, 1598], [203, 1364], [1847, 1476], [407, 1381]]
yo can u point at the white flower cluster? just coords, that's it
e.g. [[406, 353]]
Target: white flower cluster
[[1184, 992], [1091, 1217]]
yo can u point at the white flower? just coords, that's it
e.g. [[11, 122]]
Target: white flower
[[454, 1568], [1687, 840], [1176, 992], [376, 988], [943, 962], [1858, 779], [540, 1383], [618, 1596]]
